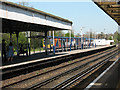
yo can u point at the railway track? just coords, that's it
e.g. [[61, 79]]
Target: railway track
[[70, 81], [52, 82], [84, 64]]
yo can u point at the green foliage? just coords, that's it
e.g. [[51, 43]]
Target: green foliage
[[6, 36], [68, 35], [110, 38], [36, 42], [22, 39], [116, 37]]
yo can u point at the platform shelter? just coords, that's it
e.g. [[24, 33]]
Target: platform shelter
[[17, 18]]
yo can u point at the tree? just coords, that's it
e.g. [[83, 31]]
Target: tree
[[102, 35], [110, 38], [116, 37], [22, 39], [68, 35]]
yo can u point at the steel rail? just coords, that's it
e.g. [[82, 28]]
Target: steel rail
[[38, 85], [80, 75], [99, 53]]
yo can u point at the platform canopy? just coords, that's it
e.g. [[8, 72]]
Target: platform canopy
[[110, 7], [18, 18]]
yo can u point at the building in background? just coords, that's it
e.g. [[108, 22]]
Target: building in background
[[103, 42]]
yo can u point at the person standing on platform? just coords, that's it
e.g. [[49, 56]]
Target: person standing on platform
[[3, 51], [10, 52]]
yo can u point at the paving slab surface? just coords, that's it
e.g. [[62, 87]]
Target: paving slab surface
[[41, 56]]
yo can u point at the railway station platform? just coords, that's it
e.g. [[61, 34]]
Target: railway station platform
[[109, 79], [22, 60]]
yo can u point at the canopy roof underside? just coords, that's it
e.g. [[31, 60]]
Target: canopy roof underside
[[110, 7], [10, 26]]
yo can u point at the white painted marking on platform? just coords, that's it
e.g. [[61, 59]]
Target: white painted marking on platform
[[101, 75]]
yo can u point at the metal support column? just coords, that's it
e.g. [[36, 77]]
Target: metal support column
[[10, 37], [34, 44], [66, 44], [53, 44], [46, 46], [70, 40], [28, 42], [74, 43], [17, 35], [81, 42], [77, 43]]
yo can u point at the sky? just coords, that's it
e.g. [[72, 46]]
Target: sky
[[84, 14]]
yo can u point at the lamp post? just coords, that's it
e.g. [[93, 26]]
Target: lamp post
[[105, 36], [81, 38]]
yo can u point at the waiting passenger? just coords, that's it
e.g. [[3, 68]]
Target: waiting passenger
[[10, 52]]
